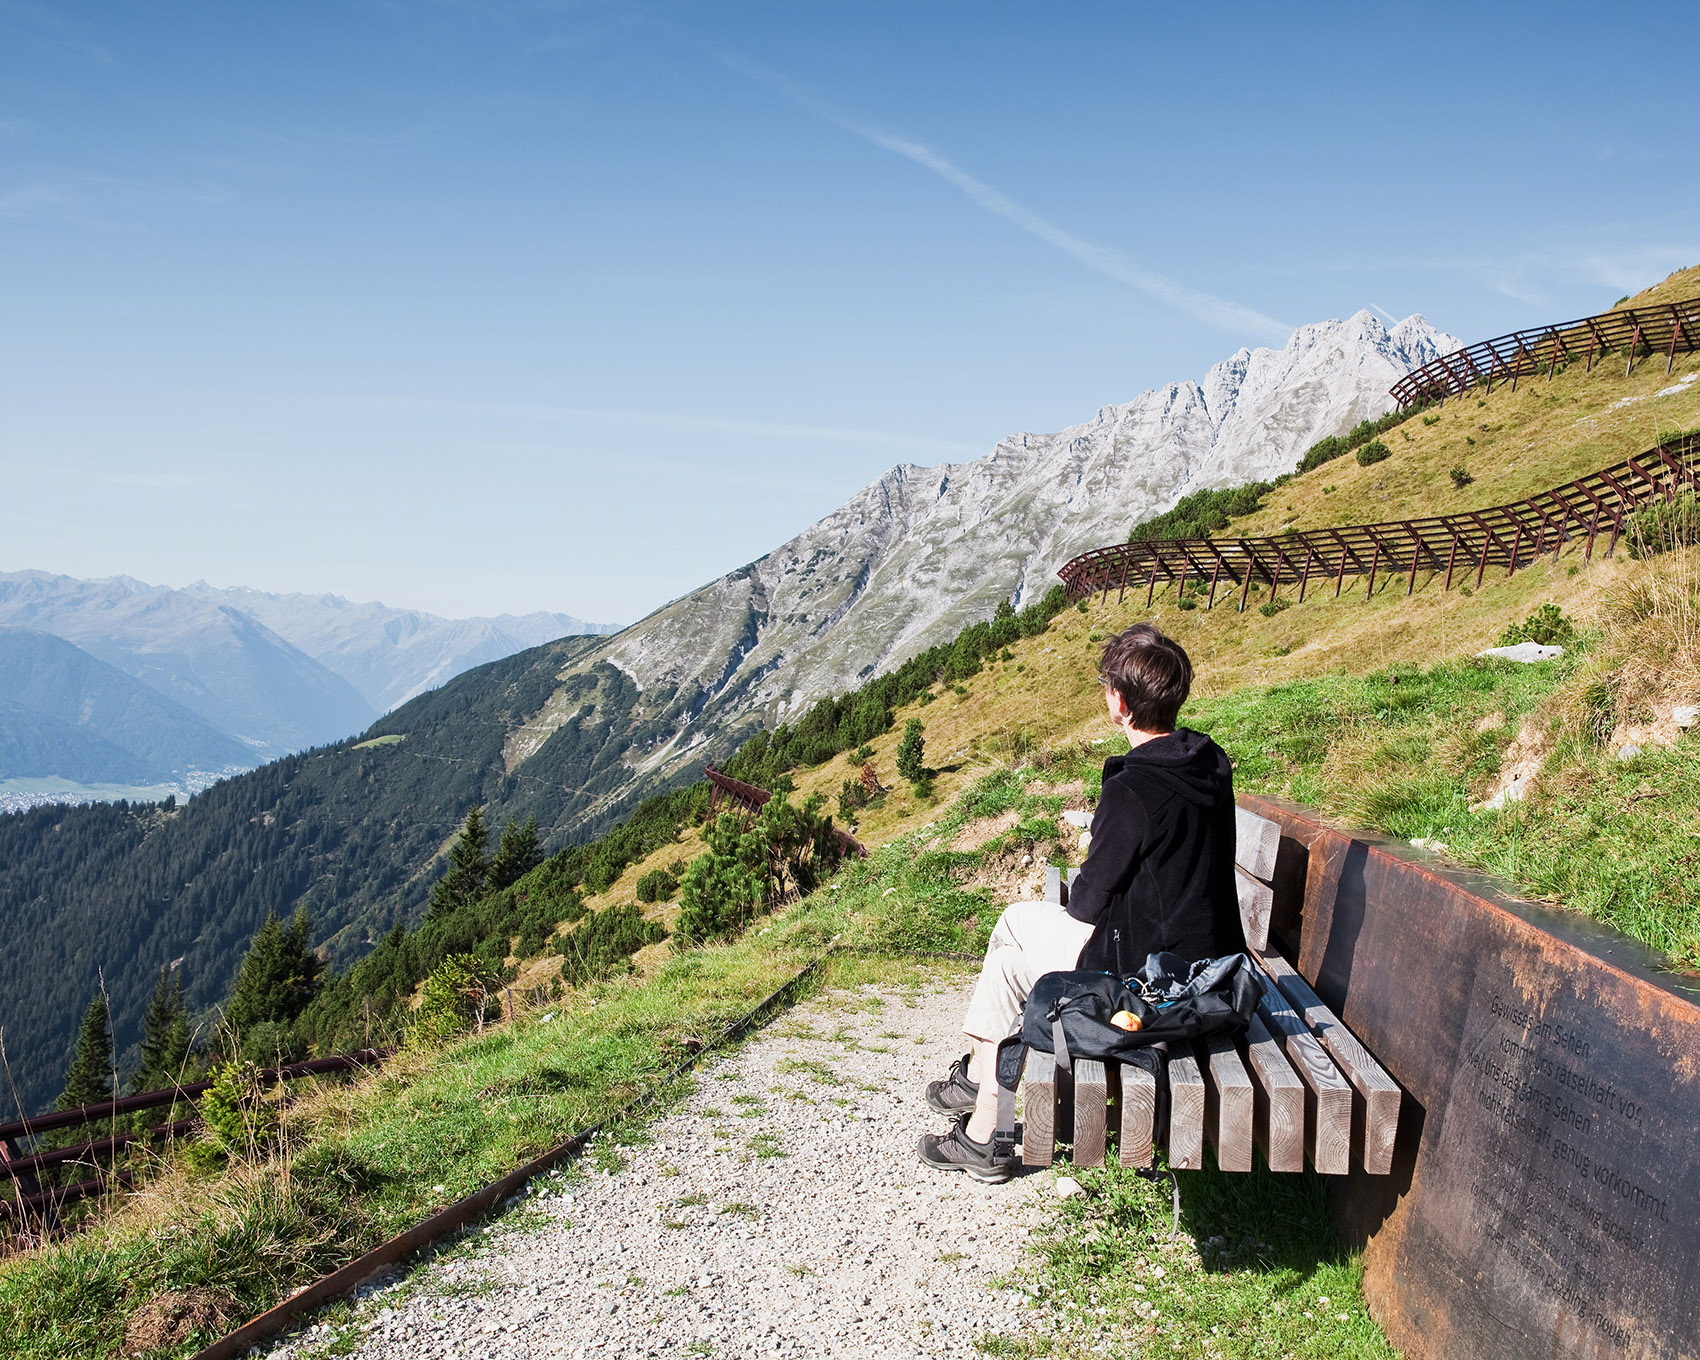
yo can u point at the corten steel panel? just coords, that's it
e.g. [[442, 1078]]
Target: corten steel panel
[[1544, 1191]]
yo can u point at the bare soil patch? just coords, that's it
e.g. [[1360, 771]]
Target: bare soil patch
[[170, 1319]]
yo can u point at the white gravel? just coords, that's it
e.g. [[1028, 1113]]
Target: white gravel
[[844, 1245]]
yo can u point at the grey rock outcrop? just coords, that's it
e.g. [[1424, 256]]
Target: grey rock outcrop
[[908, 561]]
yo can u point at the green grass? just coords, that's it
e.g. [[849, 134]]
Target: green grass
[[1409, 750], [1254, 1271]]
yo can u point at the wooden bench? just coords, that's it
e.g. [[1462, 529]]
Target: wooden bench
[[1296, 1085]]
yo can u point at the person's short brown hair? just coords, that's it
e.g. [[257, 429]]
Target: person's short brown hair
[[1152, 674]]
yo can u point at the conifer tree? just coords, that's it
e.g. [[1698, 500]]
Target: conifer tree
[[516, 855], [279, 974], [89, 1077], [910, 752], [469, 867], [165, 1036]]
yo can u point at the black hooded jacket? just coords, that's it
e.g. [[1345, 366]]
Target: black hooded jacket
[[1159, 874]]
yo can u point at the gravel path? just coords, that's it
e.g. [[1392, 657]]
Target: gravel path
[[781, 1210]]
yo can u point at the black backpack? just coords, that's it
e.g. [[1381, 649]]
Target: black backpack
[[1068, 1014]]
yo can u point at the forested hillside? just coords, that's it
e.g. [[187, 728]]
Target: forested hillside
[[110, 894], [119, 890]]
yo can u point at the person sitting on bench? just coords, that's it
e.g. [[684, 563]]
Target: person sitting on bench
[[1159, 875]]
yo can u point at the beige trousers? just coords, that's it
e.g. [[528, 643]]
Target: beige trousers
[[1029, 940]]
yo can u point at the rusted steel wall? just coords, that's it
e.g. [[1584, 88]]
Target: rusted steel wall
[[1548, 1167]]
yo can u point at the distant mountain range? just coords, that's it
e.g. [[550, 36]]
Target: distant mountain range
[[390, 655], [263, 674], [575, 731], [65, 713]]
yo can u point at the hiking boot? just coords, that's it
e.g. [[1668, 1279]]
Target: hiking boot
[[956, 1151], [955, 1093]]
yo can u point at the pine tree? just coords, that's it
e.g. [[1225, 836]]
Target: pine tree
[[516, 855], [469, 867], [165, 1036], [909, 752], [89, 1077], [279, 974]]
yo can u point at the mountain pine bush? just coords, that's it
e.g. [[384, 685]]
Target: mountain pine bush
[[910, 752]]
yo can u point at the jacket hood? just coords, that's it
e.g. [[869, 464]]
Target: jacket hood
[[1189, 763]]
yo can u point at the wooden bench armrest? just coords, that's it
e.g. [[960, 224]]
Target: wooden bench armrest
[[1328, 1099], [1378, 1108]]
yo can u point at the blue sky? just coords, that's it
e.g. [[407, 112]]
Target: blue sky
[[477, 307]]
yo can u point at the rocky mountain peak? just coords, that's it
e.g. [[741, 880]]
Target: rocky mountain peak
[[920, 552]]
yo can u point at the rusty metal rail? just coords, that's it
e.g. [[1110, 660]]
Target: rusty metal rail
[[753, 799], [1663, 328], [22, 1159], [381, 1259], [1502, 536]]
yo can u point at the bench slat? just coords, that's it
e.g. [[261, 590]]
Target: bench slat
[[1328, 1102], [1091, 1104], [1053, 885], [1038, 1135], [1256, 841], [1279, 1097], [1186, 1112], [1257, 905], [1229, 1103], [1378, 1122], [1139, 1115]]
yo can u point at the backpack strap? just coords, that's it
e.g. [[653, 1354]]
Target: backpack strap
[[1059, 1040], [1012, 1058]]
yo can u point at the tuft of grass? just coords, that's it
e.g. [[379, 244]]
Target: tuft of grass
[[1409, 750]]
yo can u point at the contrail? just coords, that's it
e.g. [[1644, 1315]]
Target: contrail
[[1112, 264]]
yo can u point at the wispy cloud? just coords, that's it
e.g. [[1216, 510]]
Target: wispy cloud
[[736, 425], [105, 202], [30, 200], [1623, 255], [168, 481], [1112, 264]]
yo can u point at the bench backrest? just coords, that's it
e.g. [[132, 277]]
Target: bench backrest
[[1256, 841]]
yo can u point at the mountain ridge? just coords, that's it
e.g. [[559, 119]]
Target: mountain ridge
[[922, 550], [125, 732]]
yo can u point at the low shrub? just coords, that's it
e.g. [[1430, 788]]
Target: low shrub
[[1201, 514], [1460, 478], [1373, 452], [604, 942], [453, 999], [1548, 625], [658, 885], [1659, 527], [1338, 446], [237, 1119]]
